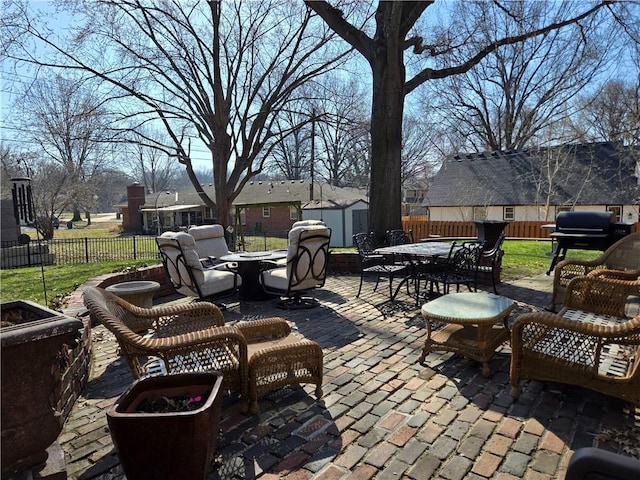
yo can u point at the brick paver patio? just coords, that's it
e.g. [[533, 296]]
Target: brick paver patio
[[383, 415]]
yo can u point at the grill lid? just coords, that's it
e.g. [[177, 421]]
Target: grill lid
[[585, 222]]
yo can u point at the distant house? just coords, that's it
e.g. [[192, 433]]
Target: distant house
[[266, 206], [536, 184]]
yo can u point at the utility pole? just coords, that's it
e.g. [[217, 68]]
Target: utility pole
[[313, 151]]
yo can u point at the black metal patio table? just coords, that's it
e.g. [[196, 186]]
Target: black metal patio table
[[422, 253]]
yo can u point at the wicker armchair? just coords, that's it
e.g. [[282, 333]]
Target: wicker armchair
[[591, 342], [254, 356], [624, 255]]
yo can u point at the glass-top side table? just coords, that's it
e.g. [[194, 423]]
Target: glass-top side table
[[475, 325]]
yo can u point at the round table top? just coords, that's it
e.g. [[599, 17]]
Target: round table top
[[254, 256], [471, 307]]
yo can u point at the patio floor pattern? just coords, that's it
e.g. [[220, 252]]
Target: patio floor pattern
[[383, 415]]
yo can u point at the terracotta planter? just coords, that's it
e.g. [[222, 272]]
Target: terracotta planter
[[167, 445], [36, 345]]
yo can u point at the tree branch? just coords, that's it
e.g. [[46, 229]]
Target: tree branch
[[431, 74], [349, 33]]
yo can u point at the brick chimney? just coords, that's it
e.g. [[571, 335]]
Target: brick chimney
[[132, 217]]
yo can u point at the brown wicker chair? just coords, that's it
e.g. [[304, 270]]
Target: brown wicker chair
[[591, 342], [624, 255], [254, 356]]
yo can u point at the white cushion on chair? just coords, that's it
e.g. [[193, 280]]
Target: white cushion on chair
[[209, 241], [213, 281], [188, 245], [276, 278]]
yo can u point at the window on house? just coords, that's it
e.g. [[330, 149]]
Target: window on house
[[243, 217], [479, 213], [617, 211], [509, 213], [266, 212], [293, 213]]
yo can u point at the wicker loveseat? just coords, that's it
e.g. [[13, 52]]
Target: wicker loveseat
[[255, 356], [592, 342], [622, 256]]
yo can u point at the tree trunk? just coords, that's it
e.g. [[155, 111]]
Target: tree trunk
[[76, 215], [385, 208]]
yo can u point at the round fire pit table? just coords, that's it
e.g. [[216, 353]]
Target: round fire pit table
[[138, 293]]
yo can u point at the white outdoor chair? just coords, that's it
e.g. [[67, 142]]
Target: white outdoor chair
[[306, 267], [187, 273]]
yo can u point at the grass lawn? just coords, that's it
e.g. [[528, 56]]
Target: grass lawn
[[59, 280], [102, 226]]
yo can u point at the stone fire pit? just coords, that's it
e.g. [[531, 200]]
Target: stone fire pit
[[36, 345]]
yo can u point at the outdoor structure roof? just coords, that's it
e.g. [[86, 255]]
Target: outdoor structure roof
[[330, 204], [263, 193], [587, 174], [170, 208]]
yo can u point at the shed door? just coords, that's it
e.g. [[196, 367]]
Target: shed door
[[360, 221]]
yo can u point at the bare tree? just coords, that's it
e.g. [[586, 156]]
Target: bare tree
[[341, 131], [418, 162], [384, 49], [67, 121], [154, 169], [612, 114], [213, 74], [505, 102], [291, 156]]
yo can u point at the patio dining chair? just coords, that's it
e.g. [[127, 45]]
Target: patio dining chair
[[375, 264], [460, 268], [490, 261], [400, 237], [210, 243]]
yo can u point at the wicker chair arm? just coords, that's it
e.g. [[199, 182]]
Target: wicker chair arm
[[600, 294], [588, 265], [568, 269], [264, 329], [619, 274], [550, 320]]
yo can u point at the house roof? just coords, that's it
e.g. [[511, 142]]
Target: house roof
[[583, 174], [263, 193]]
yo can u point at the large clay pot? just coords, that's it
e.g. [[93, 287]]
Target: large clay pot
[[36, 345], [167, 445]]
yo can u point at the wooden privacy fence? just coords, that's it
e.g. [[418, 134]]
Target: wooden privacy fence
[[422, 227]]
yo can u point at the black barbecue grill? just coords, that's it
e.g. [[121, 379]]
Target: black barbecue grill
[[585, 231]]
